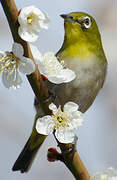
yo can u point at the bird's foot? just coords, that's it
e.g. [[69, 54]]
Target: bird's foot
[[52, 97]]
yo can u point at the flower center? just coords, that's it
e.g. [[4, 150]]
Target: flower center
[[63, 63], [51, 68], [60, 119], [8, 63], [30, 18]]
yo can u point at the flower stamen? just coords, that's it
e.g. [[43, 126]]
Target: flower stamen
[[60, 119], [63, 63], [30, 18], [11, 62]]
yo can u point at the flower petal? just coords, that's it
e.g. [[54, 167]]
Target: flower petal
[[42, 18], [26, 65], [27, 35], [35, 52], [62, 76], [12, 80], [65, 136], [68, 75], [111, 172], [76, 119], [22, 18], [108, 174], [42, 69], [50, 59], [45, 22], [49, 66], [17, 50], [54, 79], [44, 125], [70, 106], [99, 177], [53, 107], [2, 54]]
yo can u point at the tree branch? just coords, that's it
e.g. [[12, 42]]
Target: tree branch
[[71, 159], [39, 88]]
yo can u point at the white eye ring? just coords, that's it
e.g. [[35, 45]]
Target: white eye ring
[[86, 22]]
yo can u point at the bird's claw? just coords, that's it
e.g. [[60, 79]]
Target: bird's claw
[[52, 97]]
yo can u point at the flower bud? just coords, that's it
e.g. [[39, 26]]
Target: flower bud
[[53, 155]]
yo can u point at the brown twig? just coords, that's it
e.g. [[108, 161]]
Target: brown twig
[[70, 158]]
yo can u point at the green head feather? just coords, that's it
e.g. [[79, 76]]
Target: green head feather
[[82, 37]]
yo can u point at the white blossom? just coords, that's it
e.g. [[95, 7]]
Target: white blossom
[[11, 62], [51, 68], [31, 20], [108, 174], [62, 122]]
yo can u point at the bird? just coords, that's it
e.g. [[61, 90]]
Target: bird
[[82, 52]]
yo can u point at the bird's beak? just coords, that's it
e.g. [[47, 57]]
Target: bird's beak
[[64, 16], [68, 18]]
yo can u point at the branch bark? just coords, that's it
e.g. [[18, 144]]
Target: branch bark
[[71, 159]]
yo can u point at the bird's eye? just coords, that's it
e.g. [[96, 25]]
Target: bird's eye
[[86, 22]]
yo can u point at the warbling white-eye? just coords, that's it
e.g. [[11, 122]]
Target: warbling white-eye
[[83, 53]]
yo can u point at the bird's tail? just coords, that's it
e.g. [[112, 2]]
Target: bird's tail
[[26, 157]]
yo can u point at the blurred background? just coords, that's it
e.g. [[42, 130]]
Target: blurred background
[[97, 144]]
